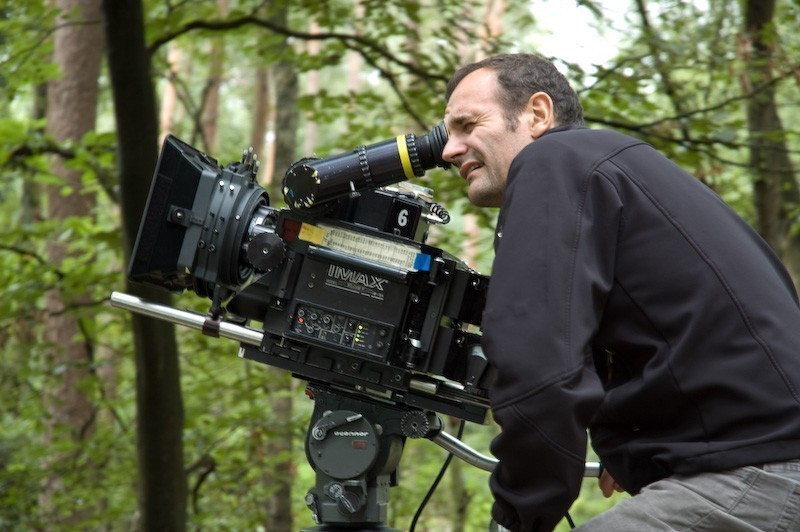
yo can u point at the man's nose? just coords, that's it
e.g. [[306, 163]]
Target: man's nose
[[453, 149]]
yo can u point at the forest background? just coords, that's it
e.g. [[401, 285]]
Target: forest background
[[117, 422]]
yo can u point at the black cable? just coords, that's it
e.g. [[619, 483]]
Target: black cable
[[436, 481]]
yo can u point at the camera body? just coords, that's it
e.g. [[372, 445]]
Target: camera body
[[343, 286]]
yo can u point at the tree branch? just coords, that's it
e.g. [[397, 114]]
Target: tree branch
[[47, 146], [42, 261], [643, 128], [669, 87], [356, 43]]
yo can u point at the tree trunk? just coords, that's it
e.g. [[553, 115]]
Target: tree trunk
[[162, 482], [492, 26], [775, 184], [460, 496], [280, 444], [169, 96], [71, 112], [31, 191], [260, 121], [211, 100], [312, 87], [286, 119], [655, 44], [354, 59], [279, 447]]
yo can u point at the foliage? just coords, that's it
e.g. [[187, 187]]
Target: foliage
[[24, 38], [407, 49], [678, 86]]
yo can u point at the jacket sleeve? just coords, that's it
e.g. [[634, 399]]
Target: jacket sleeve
[[553, 269]]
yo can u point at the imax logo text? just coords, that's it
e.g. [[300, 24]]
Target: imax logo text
[[352, 276]]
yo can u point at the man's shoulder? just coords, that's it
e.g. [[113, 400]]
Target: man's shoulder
[[579, 143], [562, 134]]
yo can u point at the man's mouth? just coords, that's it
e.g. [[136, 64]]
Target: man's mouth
[[467, 168]]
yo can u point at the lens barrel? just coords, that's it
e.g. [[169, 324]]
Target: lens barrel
[[310, 183]]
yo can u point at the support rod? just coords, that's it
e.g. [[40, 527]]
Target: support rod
[[487, 463], [185, 318]]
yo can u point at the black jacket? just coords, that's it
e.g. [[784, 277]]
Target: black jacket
[[626, 297]]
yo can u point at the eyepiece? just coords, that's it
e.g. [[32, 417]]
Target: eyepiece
[[431, 147], [310, 183]]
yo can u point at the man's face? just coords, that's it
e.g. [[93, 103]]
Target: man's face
[[481, 142]]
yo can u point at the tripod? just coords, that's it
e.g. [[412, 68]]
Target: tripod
[[354, 442]]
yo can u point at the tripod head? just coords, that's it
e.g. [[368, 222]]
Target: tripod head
[[354, 447]]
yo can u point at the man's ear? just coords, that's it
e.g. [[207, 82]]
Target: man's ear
[[542, 116]]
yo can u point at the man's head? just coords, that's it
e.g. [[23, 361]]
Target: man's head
[[496, 107]]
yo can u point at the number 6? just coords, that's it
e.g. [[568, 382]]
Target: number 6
[[402, 218]]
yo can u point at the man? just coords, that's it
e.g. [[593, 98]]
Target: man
[[628, 299]]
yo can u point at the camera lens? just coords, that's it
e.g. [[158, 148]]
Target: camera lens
[[309, 183]]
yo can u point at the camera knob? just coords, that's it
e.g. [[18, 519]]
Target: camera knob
[[348, 501], [415, 424], [265, 251]]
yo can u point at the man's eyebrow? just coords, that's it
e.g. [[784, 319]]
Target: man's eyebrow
[[460, 119]]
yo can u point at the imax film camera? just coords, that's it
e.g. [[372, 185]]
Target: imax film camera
[[342, 283], [340, 289]]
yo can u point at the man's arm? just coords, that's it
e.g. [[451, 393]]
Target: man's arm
[[553, 268]]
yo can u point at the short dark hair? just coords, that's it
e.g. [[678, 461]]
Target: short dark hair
[[520, 76]]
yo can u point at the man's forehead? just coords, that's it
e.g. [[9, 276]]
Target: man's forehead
[[476, 90]]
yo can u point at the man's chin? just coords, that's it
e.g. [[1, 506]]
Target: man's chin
[[482, 200]]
